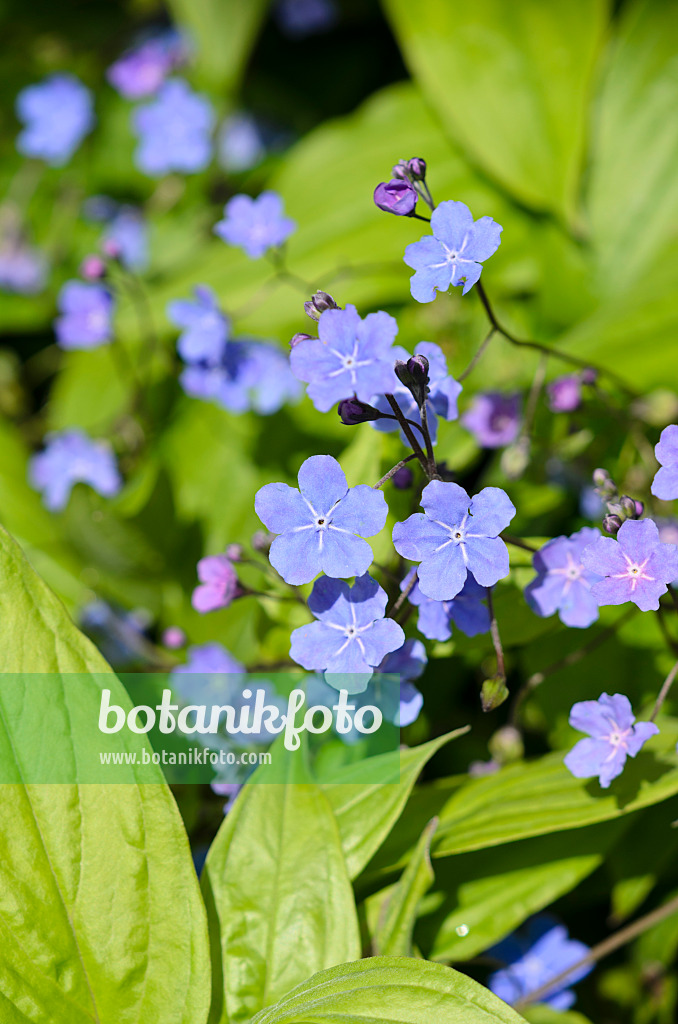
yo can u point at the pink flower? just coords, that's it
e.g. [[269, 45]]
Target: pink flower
[[219, 584]]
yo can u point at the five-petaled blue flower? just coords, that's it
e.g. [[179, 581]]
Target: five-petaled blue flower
[[615, 735], [665, 483], [541, 953], [562, 583], [71, 457], [351, 357], [174, 131], [456, 535], [444, 391], [86, 312], [454, 253], [636, 566], [350, 637], [467, 610], [320, 526], [205, 328], [57, 113], [255, 225]]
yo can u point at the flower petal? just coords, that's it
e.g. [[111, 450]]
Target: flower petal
[[322, 482], [296, 555], [492, 510], [362, 511], [488, 559], [418, 537], [281, 507]]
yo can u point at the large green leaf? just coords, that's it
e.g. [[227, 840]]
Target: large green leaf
[[224, 31], [633, 188], [512, 84], [390, 990], [542, 796], [366, 814], [280, 903], [100, 912]]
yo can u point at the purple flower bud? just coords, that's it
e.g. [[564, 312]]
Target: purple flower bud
[[564, 393], [414, 375], [261, 541], [396, 196], [612, 524], [417, 168], [296, 338], [93, 268], [111, 248], [401, 170], [629, 506], [317, 305], [173, 637], [605, 485], [640, 508], [352, 411], [402, 478], [234, 552], [589, 375]]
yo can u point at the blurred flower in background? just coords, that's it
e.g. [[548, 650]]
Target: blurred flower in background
[[493, 419], [174, 131], [71, 457], [240, 143], [86, 312], [142, 69], [57, 113], [299, 19]]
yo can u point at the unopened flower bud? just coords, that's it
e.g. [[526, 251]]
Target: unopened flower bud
[[93, 268], [516, 458], [506, 745], [396, 196], [112, 249], [401, 170], [261, 541], [402, 478], [640, 508], [317, 305], [234, 552], [493, 693], [173, 638], [605, 485], [611, 524], [629, 506], [417, 168], [296, 338], [414, 375], [352, 411], [589, 375]]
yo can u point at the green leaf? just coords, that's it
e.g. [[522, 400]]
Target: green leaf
[[366, 814], [633, 188], [390, 990], [280, 903], [102, 874], [511, 83], [487, 894], [543, 1014], [542, 796], [224, 31], [393, 934]]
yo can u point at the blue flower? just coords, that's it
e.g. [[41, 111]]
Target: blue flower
[[23, 269], [351, 357], [255, 225], [453, 253], [665, 483], [350, 637], [86, 313], [493, 419], [562, 583], [614, 733], [240, 144], [71, 457], [467, 610], [408, 662], [636, 566], [456, 535], [321, 524], [174, 131], [266, 378], [209, 659], [57, 114], [542, 953], [205, 328], [142, 70], [126, 237], [442, 398]]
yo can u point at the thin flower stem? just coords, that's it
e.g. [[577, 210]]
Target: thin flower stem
[[537, 678], [668, 639], [474, 361], [400, 600], [432, 468], [664, 692], [564, 357], [603, 949], [496, 639], [418, 216], [393, 471], [516, 542], [407, 431], [533, 398]]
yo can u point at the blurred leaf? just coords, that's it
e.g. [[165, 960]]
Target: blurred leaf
[[512, 84], [398, 912], [224, 31], [543, 1014], [390, 990], [659, 945], [635, 865], [81, 949], [633, 188], [272, 927], [367, 813]]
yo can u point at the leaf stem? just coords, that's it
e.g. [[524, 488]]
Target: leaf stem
[[387, 476], [496, 638]]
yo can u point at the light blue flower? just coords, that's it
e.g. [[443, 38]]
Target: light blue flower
[[255, 225], [562, 583], [72, 457], [174, 131], [615, 735], [665, 483], [57, 113]]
